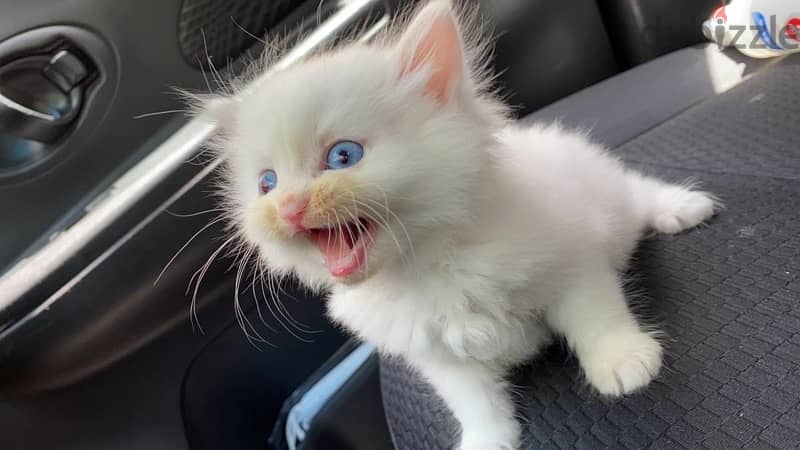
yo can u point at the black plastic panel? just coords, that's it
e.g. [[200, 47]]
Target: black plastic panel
[[142, 38], [98, 91], [115, 305], [221, 31], [110, 279], [49, 289], [546, 50], [354, 419], [641, 30], [240, 388], [137, 403]]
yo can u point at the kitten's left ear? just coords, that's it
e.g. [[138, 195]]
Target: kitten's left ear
[[432, 41]]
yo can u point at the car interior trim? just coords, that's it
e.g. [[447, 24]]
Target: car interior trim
[[146, 175]]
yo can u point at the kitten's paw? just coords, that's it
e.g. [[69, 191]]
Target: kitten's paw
[[620, 364], [680, 209], [502, 437]]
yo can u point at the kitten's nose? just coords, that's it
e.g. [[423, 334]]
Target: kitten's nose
[[292, 210]]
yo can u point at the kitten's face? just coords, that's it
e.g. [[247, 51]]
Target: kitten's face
[[340, 166]]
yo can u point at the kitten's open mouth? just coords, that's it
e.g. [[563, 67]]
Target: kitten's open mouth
[[344, 247]]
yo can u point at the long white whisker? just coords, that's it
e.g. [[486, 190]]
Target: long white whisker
[[362, 230], [283, 324], [237, 253], [386, 227], [272, 294], [339, 231], [207, 226], [214, 72], [358, 216], [300, 326], [259, 39], [402, 226], [245, 322], [259, 276], [237, 284], [376, 217], [203, 72], [200, 274], [349, 231], [199, 213], [277, 313], [355, 221], [328, 220], [213, 255], [158, 113]]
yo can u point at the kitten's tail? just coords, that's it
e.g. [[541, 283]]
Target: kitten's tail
[[670, 208]]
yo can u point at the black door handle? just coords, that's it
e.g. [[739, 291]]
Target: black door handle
[[41, 95]]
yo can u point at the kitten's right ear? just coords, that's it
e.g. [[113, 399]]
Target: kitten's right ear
[[433, 41]]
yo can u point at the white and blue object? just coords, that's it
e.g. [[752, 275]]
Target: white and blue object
[[757, 28]]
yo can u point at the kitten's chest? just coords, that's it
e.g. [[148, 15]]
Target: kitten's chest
[[391, 321], [435, 314]]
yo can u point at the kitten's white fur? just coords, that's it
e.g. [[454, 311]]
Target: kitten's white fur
[[495, 234]]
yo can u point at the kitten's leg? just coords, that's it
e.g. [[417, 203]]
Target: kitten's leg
[[615, 354], [670, 208], [478, 397]]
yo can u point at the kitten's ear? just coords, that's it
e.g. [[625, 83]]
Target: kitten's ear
[[433, 41]]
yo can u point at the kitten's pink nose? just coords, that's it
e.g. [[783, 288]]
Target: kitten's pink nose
[[292, 210]]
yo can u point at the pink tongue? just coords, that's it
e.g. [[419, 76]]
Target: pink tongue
[[339, 255]]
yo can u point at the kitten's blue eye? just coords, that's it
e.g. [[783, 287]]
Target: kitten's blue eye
[[267, 181], [344, 154]]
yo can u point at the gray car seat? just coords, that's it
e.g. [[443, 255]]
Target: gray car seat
[[727, 294]]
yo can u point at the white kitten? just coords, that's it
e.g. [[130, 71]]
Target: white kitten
[[388, 176]]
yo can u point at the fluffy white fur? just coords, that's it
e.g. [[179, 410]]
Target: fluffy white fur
[[492, 235]]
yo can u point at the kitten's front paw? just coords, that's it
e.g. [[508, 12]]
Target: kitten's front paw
[[683, 209], [620, 364], [505, 437]]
